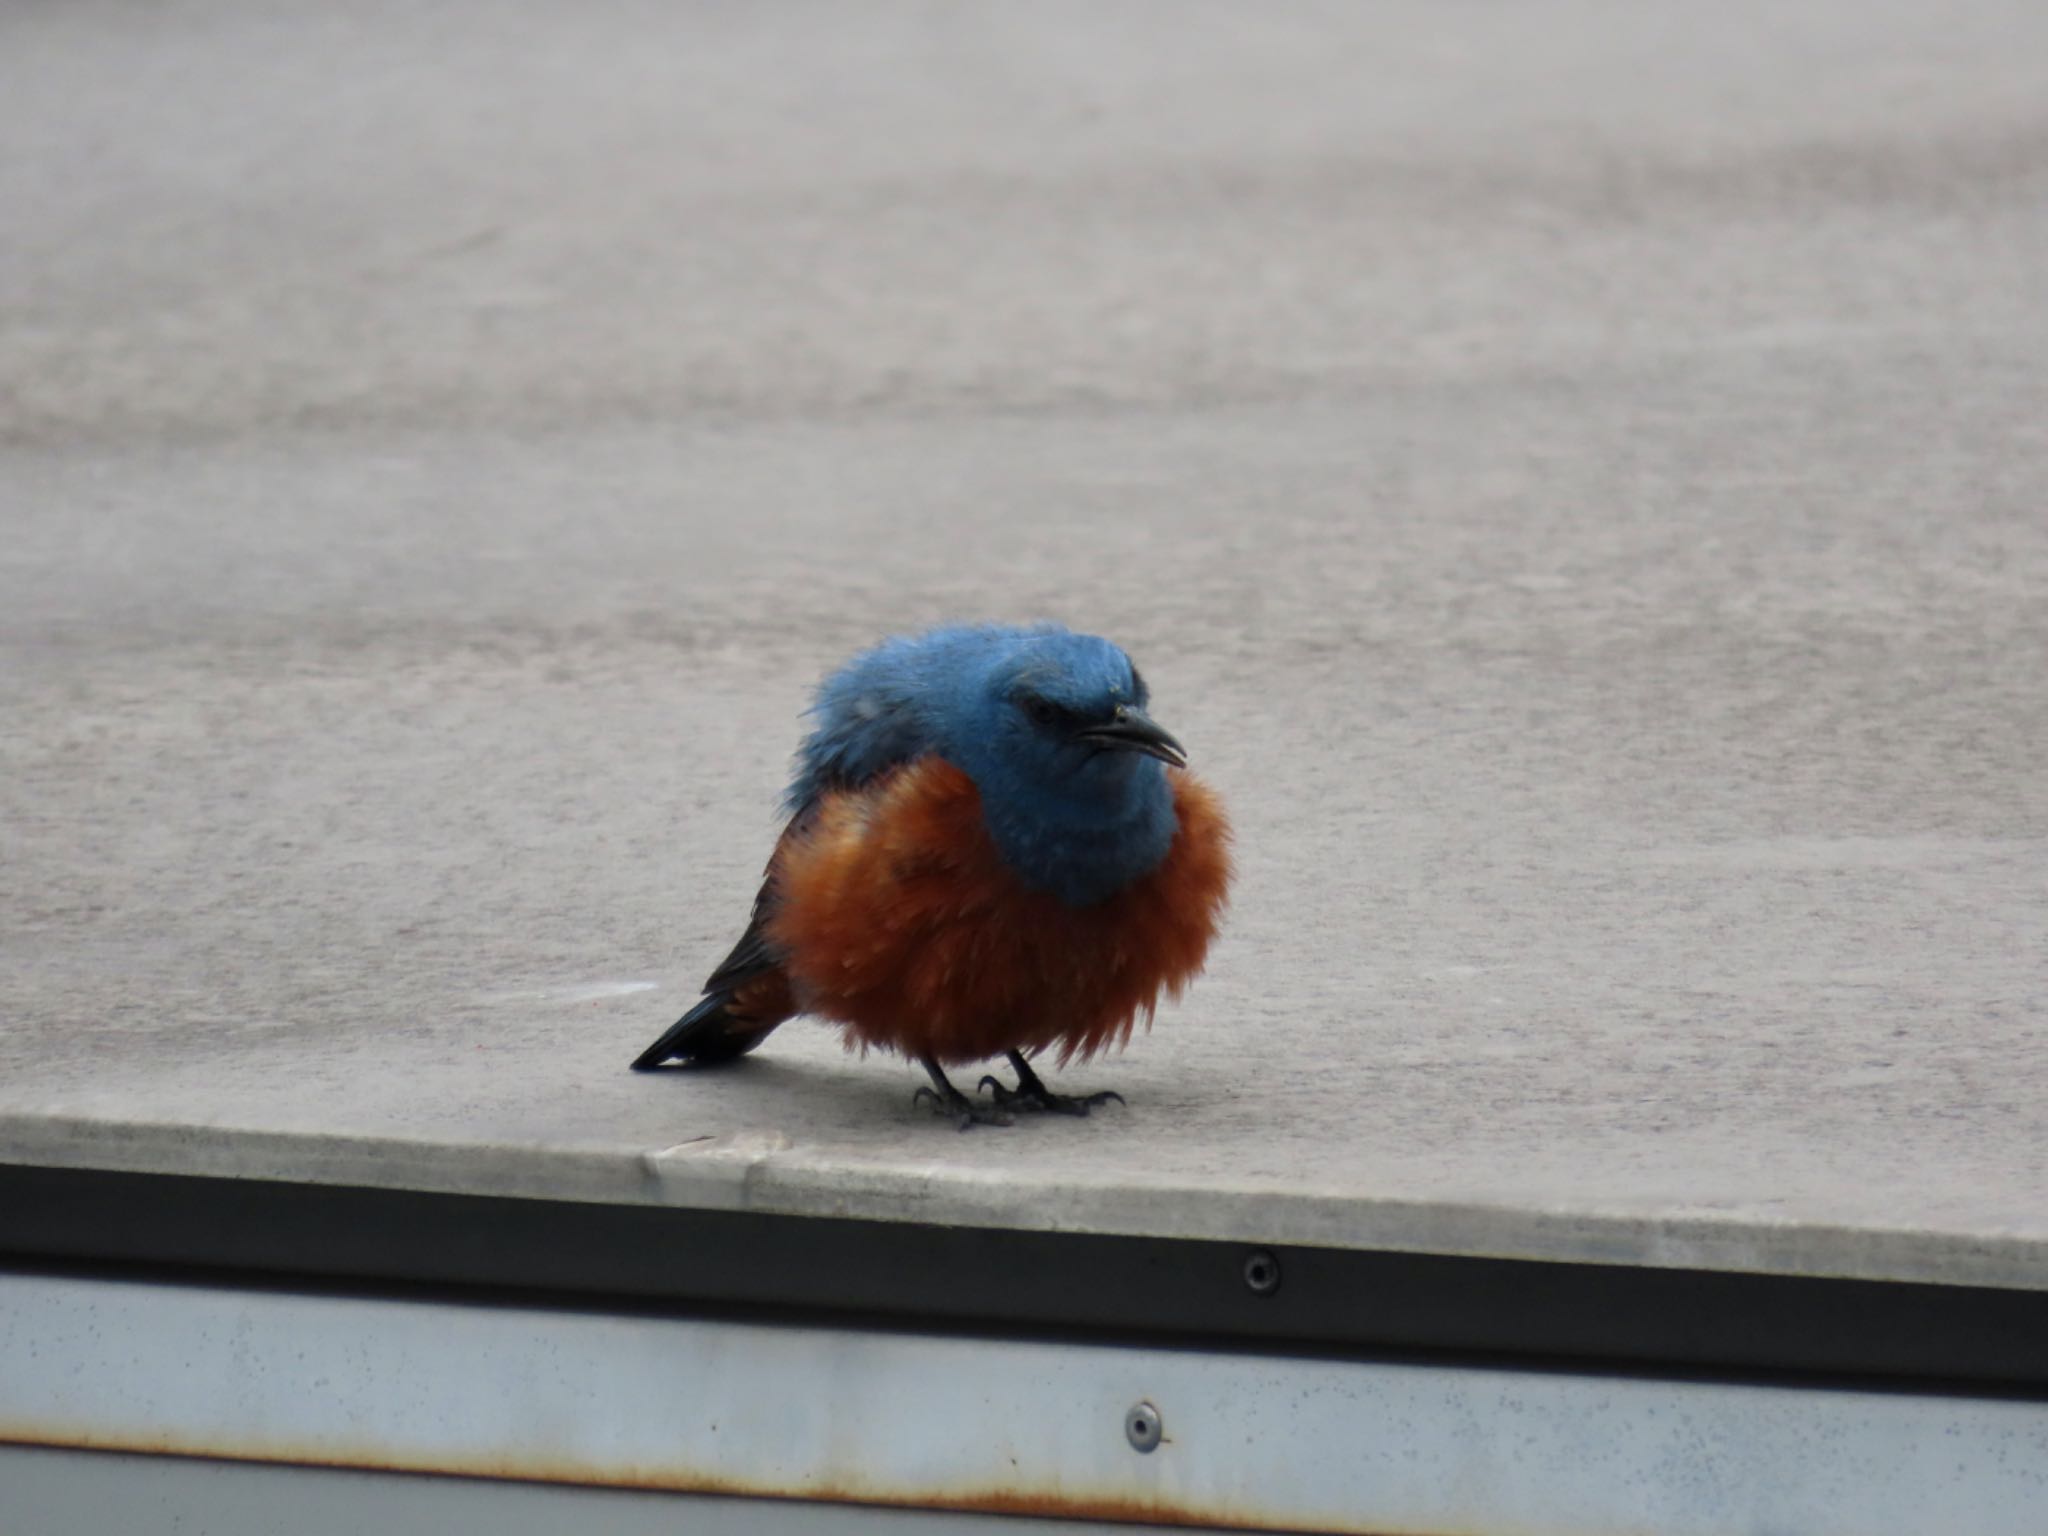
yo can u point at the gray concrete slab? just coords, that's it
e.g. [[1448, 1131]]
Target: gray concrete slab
[[1575, 476]]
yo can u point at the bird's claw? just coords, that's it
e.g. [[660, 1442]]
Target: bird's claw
[[963, 1109], [1039, 1097]]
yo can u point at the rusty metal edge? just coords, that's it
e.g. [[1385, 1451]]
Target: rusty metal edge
[[1039, 1506]]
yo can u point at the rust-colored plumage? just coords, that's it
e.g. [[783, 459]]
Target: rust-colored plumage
[[902, 923]]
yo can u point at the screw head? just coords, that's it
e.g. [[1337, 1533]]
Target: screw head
[[1261, 1272], [1142, 1427]]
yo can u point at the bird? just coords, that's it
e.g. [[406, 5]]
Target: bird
[[992, 849]]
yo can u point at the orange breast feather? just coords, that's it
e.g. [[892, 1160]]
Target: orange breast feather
[[899, 920]]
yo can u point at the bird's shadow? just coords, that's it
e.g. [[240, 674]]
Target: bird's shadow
[[827, 1095], [817, 1093]]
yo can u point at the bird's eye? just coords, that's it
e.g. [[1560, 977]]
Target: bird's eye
[[1041, 710]]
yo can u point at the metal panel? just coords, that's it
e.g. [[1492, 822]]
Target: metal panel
[[943, 1422]]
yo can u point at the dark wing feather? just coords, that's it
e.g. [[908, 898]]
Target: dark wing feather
[[753, 955], [712, 1031]]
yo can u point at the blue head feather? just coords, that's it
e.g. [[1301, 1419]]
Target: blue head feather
[[1004, 705]]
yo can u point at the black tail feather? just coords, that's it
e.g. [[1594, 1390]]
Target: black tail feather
[[704, 1036]]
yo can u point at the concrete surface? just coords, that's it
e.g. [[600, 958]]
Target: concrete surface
[[1576, 476]]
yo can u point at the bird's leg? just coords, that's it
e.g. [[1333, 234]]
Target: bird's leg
[[948, 1100], [1031, 1092]]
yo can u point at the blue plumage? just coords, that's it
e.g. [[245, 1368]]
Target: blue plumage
[[1042, 719]]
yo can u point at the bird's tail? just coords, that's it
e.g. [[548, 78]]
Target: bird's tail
[[724, 1025]]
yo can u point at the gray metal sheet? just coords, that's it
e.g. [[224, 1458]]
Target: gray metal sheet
[[1574, 477], [896, 1418]]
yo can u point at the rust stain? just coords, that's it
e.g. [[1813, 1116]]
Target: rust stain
[[1112, 1509]]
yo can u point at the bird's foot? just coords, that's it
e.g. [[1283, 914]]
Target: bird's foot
[[1032, 1094], [956, 1105]]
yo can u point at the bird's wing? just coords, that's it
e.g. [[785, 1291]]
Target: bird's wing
[[870, 720], [874, 715], [750, 957], [877, 712], [753, 955], [855, 744]]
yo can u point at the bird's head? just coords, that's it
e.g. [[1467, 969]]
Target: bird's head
[[1059, 720]]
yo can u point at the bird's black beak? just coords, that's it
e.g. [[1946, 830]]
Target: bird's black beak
[[1135, 731]]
